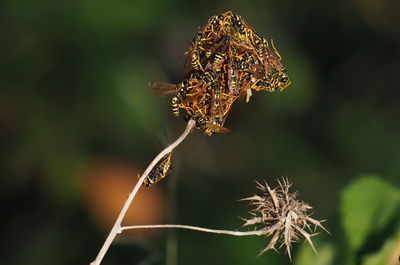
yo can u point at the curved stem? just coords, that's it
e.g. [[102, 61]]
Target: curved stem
[[117, 226], [196, 228]]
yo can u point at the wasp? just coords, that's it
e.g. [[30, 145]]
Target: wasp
[[232, 81], [238, 24], [159, 171], [276, 76], [209, 126], [215, 123], [280, 80], [206, 35], [181, 90], [214, 25], [195, 61], [219, 52], [200, 85], [216, 99]]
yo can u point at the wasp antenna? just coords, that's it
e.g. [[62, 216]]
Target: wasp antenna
[[275, 51]]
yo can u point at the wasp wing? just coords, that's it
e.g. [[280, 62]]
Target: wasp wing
[[163, 88]]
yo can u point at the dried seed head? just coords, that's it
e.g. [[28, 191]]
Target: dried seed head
[[279, 214]]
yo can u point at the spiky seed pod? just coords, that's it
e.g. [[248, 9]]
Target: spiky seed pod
[[281, 215]]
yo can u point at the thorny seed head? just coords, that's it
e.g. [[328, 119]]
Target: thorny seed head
[[279, 214]]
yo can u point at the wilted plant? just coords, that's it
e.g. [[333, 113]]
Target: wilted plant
[[228, 60], [117, 228], [277, 212], [281, 215]]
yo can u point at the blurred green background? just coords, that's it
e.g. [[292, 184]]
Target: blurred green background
[[78, 122]]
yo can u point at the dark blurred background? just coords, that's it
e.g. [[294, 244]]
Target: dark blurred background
[[78, 122]]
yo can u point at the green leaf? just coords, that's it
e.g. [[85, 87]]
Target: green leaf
[[388, 254], [307, 256], [367, 205]]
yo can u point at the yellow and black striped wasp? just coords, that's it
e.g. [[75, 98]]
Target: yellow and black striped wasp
[[180, 90], [160, 171]]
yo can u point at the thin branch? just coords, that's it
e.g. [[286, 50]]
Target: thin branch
[[196, 228], [117, 226]]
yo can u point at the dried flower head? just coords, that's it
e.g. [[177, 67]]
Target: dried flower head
[[281, 216]]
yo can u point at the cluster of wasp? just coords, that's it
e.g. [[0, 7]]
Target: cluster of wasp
[[228, 60]]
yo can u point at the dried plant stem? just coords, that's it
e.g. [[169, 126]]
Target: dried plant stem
[[117, 226], [196, 228]]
